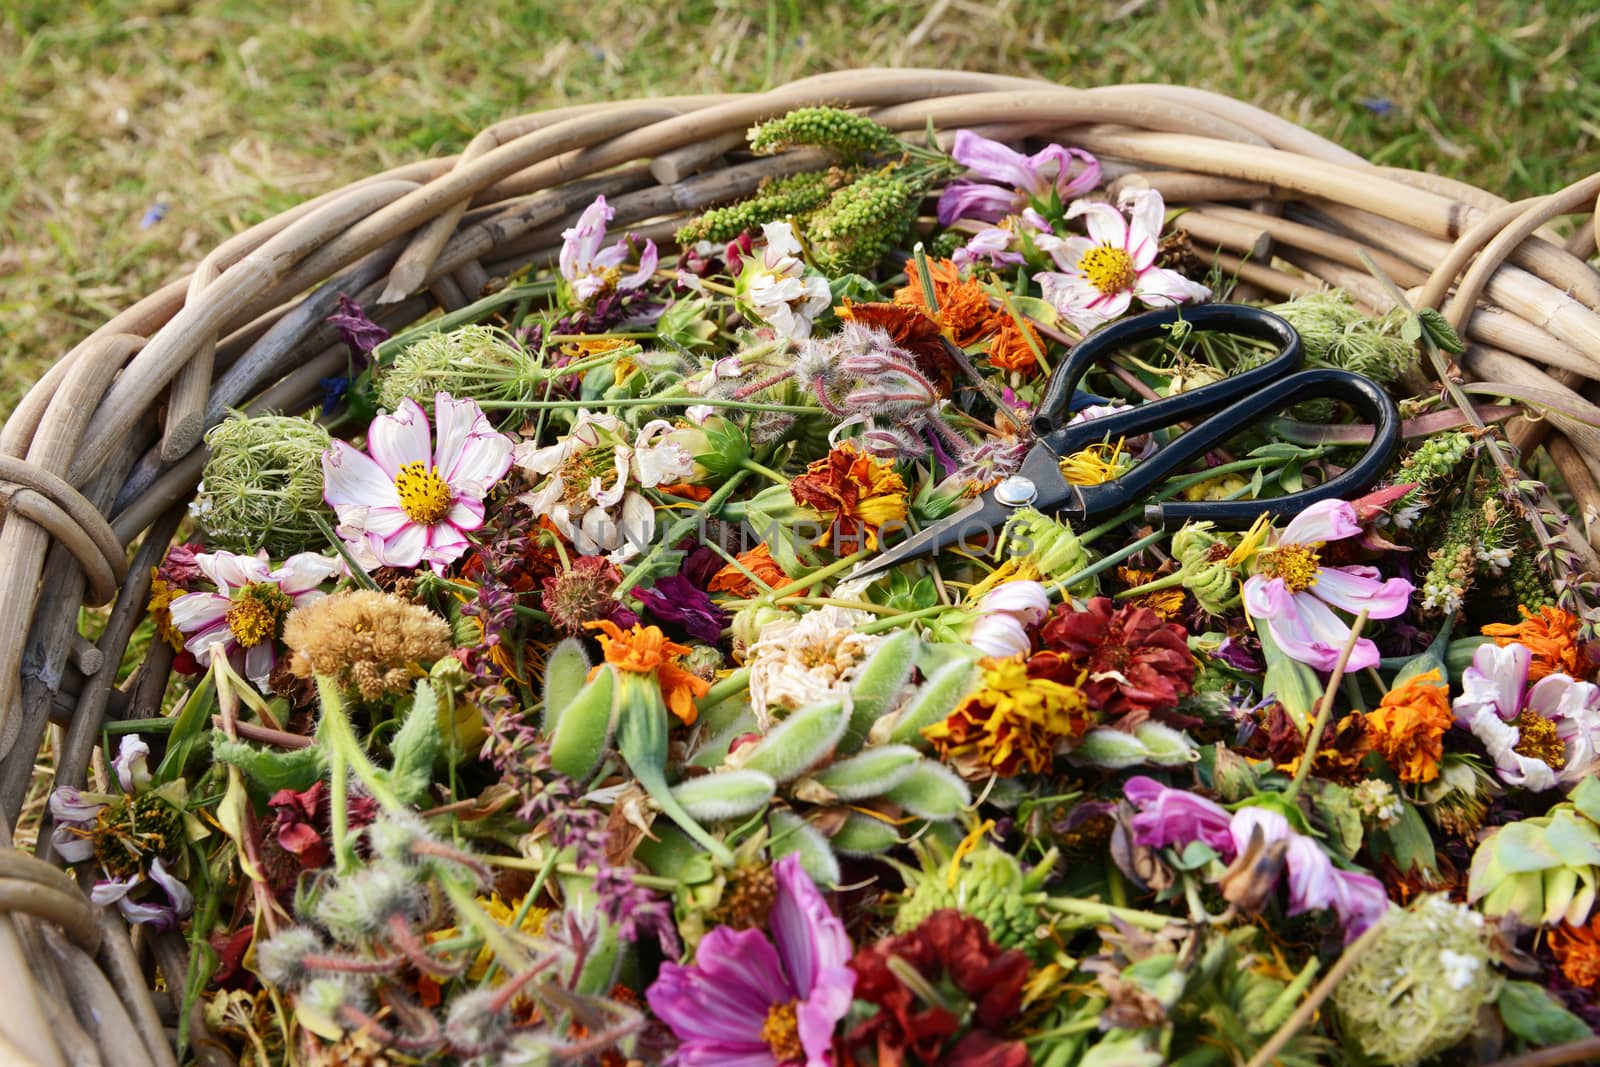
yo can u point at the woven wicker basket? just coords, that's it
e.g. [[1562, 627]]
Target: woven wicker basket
[[104, 452]]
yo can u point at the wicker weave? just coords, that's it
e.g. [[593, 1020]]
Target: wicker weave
[[104, 452]]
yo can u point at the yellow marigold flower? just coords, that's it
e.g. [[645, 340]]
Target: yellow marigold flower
[[1409, 725], [162, 594], [646, 650], [1016, 719], [862, 493], [1552, 636]]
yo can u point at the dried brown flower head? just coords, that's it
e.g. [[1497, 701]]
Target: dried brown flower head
[[374, 643]]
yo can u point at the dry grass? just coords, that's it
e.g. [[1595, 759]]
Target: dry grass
[[226, 111]]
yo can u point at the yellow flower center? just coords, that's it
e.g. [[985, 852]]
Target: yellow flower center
[[580, 469], [1297, 565], [424, 496], [257, 613], [781, 1032], [1108, 269], [1539, 740]]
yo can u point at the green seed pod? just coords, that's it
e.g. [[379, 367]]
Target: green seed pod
[[935, 699], [725, 795], [932, 791], [878, 685], [846, 134], [797, 744], [861, 222], [565, 674], [871, 774], [791, 833], [584, 727], [793, 196], [262, 486], [864, 835]]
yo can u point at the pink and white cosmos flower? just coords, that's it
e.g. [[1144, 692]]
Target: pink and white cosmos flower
[[415, 498], [593, 271], [1102, 274], [244, 617], [1295, 594], [1005, 613]]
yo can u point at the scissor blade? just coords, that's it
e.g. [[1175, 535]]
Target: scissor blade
[[982, 515]]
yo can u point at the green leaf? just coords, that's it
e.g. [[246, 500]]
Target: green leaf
[[1586, 798], [1195, 854], [188, 732], [416, 746], [1531, 1013], [271, 769], [1407, 842], [1411, 329], [1439, 330]]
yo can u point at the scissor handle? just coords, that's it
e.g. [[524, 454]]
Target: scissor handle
[[1361, 393], [1239, 319]]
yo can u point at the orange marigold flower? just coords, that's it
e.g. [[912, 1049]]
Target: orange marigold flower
[[1552, 636], [688, 491], [964, 314], [1011, 348], [1014, 722], [646, 650], [1577, 949], [759, 562], [863, 494], [1409, 724]]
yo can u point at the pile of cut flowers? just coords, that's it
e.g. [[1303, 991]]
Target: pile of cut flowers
[[527, 706]]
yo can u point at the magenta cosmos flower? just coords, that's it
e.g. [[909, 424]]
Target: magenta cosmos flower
[[1101, 275], [593, 271], [1023, 181], [750, 1002], [244, 617], [1175, 817], [1294, 594], [414, 498]]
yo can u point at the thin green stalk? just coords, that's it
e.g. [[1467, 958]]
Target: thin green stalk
[[645, 401], [838, 566], [1105, 563], [678, 529], [1095, 911], [1325, 709], [357, 573], [724, 688], [890, 622]]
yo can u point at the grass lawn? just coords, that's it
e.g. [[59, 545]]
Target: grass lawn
[[226, 111]]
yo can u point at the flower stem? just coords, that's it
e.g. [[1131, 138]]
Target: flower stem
[[360, 576], [892, 621], [678, 529], [838, 566], [1097, 912], [1106, 562], [766, 472], [645, 401], [724, 688], [1325, 708]]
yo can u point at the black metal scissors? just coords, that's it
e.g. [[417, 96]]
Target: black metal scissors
[[1226, 406]]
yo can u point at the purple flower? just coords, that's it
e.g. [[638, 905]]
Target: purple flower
[[676, 599], [593, 271], [750, 1002], [1238, 655], [1294, 594], [358, 331], [1174, 816], [162, 916], [1065, 172]]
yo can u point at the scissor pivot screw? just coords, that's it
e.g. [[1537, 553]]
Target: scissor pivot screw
[[1016, 492]]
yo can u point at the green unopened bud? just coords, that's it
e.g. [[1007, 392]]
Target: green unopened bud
[[1051, 546], [262, 486]]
